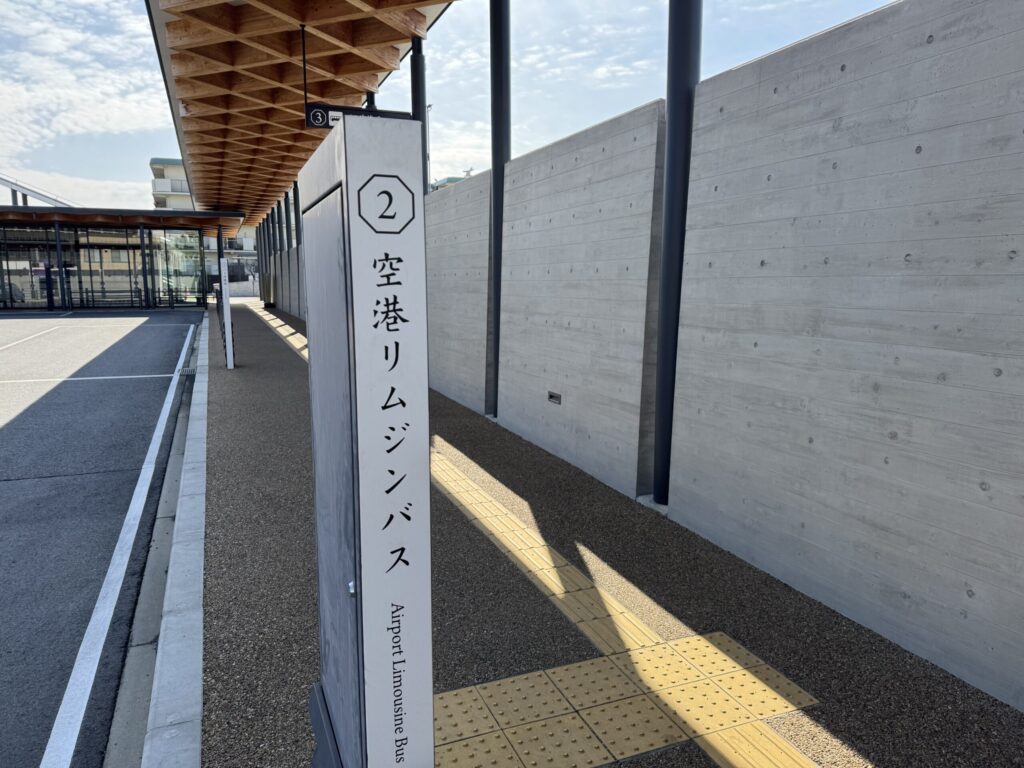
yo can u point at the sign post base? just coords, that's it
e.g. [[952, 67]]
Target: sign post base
[[326, 753]]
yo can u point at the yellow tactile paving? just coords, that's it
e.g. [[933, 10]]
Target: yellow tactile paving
[[532, 709], [701, 707], [523, 699], [592, 682], [754, 745], [514, 540], [765, 691], [560, 742], [537, 559], [632, 726], [461, 714], [715, 653], [615, 634], [558, 581], [588, 604], [496, 524], [489, 751], [656, 667]]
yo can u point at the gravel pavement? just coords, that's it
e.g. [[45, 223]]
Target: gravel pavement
[[880, 705]]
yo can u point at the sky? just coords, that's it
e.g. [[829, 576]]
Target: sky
[[83, 105]]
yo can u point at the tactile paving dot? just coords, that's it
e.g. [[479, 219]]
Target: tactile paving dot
[[460, 715], [765, 691], [587, 604], [523, 699], [656, 667], [632, 726], [489, 751], [615, 634], [561, 742], [592, 682], [715, 654], [701, 707], [558, 581]]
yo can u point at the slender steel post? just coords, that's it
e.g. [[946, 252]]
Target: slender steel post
[[298, 213], [418, 72], [14, 197], [24, 199], [371, 100], [76, 251], [145, 272], [501, 153], [64, 288], [684, 41]]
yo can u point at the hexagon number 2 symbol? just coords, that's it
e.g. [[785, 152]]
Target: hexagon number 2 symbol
[[387, 204]]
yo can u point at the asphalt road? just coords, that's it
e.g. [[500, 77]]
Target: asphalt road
[[79, 401]]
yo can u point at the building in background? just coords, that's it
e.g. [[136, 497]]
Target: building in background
[[171, 190], [170, 184]]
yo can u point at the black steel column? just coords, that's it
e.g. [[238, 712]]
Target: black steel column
[[281, 252], [260, 253], [684, 41], [274, 246], [371, 100], [418, 72], [298, 213], [14, 197], [24, 199], [288, 221], [501, 153], [299, 267], [280, 226]]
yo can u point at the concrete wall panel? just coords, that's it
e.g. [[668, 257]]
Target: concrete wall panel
[[457, 219], [850, 394], [579, 296]]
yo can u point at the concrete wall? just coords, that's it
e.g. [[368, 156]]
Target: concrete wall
[[576, 308], [850, 400], [457, 219]]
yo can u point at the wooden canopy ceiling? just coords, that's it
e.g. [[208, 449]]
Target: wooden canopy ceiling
[[160, 218], [234, 78]]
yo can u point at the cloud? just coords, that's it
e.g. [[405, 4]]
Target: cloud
[[91, 193], [70, 67]]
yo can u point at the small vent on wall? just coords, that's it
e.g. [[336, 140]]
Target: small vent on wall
[[554, 397]]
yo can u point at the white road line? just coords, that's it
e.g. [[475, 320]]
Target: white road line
[[88, 378], [65, 314], [60, 748], [138, 326], [28, 338]]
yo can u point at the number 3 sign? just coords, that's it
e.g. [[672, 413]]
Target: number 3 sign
[[386, 204]]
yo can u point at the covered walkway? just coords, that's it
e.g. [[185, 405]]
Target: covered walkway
[[537, 566]]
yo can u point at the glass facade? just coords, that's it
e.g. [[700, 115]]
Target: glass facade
[[78, 267]]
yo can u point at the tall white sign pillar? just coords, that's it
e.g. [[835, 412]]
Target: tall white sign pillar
[[365, 271]]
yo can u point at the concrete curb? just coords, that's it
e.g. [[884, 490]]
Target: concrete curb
[[174, 731]]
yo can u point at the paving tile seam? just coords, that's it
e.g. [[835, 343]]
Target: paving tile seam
[[505, 530]]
